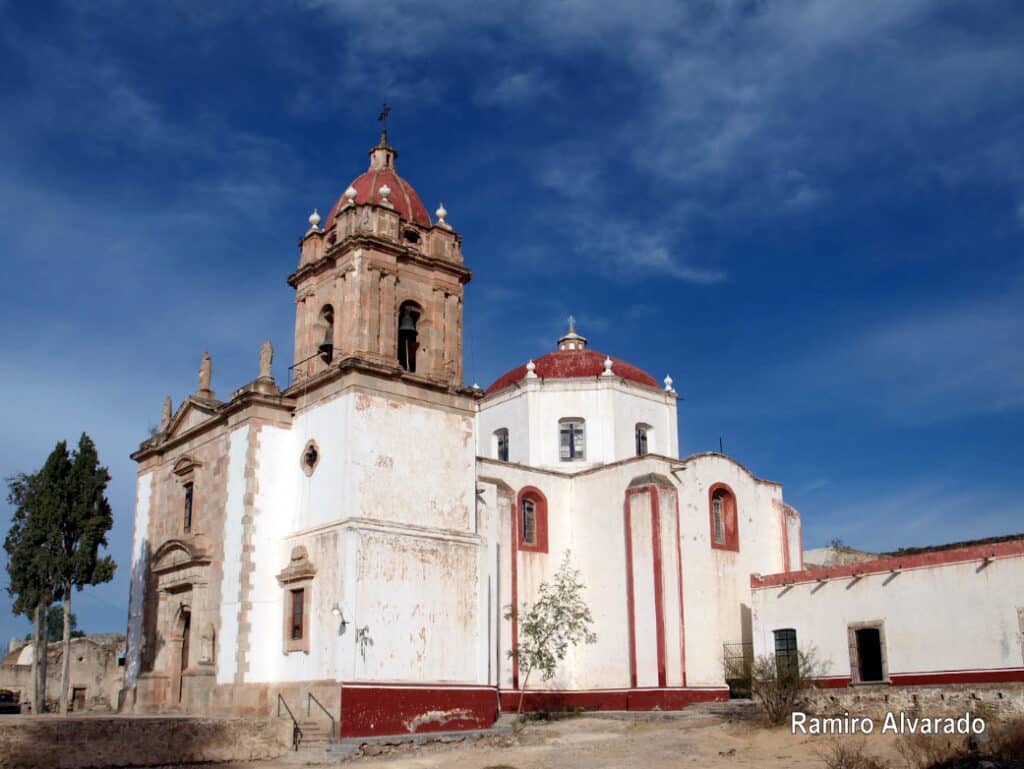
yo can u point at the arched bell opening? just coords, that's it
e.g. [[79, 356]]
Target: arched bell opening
[[408, 335]]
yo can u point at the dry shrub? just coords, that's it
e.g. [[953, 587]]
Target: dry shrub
[[922, 751], [1006, 741], [850, 755], [782, 689]]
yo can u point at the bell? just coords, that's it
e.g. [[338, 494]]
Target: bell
[[407, 322]]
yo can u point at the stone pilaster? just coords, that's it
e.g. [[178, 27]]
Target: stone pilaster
[[249, 513], [388, 317]]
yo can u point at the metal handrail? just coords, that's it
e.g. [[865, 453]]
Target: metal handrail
[[296, 731], [310, 698]]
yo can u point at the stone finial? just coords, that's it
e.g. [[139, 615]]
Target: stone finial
[[266, 360], [165, 416], [205, 376], [350, 195], [668, 384], [607, 367], [441, 213], [531, 369], [314, 221], [384, 191]]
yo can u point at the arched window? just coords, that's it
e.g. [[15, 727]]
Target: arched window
[[529, 510], [501, 444], [325, 333], [532, 520], [642, 438], [572, 439], [408, 320], [723, 518]]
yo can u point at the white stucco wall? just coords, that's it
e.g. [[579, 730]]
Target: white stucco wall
[[136, 600], [388, 520], [611, 409], [716, 583], [586, 515], [952, 617]]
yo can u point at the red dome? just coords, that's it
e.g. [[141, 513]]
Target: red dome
[[403, 197], [382, 172], [572, 364]]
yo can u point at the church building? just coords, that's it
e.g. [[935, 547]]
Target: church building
[[359, 534]]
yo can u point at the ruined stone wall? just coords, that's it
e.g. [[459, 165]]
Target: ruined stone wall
[[48, 742], [985, 700]]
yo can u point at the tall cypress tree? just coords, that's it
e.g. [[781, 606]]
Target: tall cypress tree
[[32, 549], [81, 532]]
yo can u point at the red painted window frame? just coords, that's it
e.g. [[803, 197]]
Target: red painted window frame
[[540, 509], [730, 518]]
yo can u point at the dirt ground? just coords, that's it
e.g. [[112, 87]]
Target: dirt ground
[[594, 742]]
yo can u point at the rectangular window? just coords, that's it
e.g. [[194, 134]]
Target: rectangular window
[[719, 518], [188, 508], [787, 661], [502, 436], [641, 440], [572, 445], [298, 601], [529, 523]]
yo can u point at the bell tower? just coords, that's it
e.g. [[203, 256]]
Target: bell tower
[[380, 284]]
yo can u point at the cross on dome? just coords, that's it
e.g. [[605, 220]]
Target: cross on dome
[[572, 340]]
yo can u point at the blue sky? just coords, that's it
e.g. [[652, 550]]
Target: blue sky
[[809, 212]]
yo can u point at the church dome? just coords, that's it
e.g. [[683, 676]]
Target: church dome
[[572, 360], [380, 176]]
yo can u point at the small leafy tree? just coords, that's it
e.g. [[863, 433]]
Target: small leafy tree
[[783, 684], [558, 619]]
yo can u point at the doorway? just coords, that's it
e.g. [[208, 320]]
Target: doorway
[[186, 631], [867, 653]]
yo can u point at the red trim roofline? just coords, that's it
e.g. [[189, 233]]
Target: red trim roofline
[[970, 553]]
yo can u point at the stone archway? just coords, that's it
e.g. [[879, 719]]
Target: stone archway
[[180, 674]]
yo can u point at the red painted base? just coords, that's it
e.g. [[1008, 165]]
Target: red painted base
[[935, 678], [372, 709], [612, 699]]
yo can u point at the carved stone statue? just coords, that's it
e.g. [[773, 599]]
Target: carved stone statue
[[205, 372], [266, 360], [206, 645], [165, 416]]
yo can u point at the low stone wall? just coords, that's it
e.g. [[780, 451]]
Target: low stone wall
[[985, 700], [52, 742]]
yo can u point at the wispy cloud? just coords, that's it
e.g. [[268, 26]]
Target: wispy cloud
[[930, 365]]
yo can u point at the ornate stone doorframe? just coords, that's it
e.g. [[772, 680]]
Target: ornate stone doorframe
[[181, 571]]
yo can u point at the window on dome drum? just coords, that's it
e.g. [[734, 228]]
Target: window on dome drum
[[572, 439], [501, 444], [529, 522], [641, 439], [787, 661], [188, 508], [723, 518], [408, 320], [325, 333], [298, 598]]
